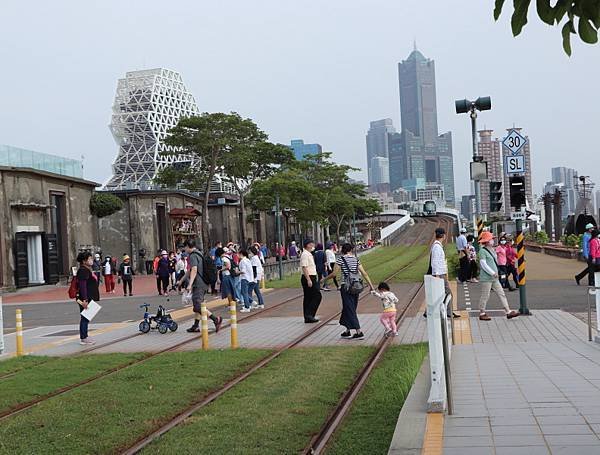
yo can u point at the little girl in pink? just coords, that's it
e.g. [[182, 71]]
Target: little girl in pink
[[388, 317]]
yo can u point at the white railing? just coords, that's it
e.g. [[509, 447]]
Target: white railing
[[435, 296], [399, 224]]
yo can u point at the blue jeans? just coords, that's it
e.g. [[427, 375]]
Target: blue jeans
[[245, 285], [237, 288], [83, 326], [256, 288]]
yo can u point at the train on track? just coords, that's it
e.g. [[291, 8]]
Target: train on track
[[423, 208]]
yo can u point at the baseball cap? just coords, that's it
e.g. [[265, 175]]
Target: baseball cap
[[589, 226]]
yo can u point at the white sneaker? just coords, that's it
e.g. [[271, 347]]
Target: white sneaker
[[260, 307], [245, 310], [86, 342], [254, 306]]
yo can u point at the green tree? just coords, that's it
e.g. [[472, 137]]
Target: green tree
[[207, 142], [253, 162], [105, 204], [578, 17]]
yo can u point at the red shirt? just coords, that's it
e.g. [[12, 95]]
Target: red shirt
[[511, 254]]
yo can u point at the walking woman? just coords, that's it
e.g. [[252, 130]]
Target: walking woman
[[349, 265], [163, 273], [87, 284], [108, 274]]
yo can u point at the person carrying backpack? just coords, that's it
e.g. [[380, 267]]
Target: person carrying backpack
[[351, 287], [126, 275], [199, 277]]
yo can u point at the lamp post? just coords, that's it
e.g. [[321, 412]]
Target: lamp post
[[478, 166], [278, 227]]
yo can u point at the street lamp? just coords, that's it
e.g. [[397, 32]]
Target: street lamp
[[478, 167]]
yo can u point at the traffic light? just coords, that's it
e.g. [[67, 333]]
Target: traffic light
[[517, 192], [495, 196]]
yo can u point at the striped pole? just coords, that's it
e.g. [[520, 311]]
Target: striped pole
[[204, 325], [479, 227], [521, 269], [233, 323], [19, 326]]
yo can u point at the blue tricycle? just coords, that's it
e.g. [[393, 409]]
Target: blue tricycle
[[161, 320]]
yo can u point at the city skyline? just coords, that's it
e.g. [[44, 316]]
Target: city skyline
[[355, 84]]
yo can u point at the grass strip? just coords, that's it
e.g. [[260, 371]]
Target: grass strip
[[414, 273], [384, 270], [275, 411], [115, 411], [13, 364], [370, 423], [37, 378]]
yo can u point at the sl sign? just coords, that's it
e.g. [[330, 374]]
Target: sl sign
[[514, 164], [514, 142]]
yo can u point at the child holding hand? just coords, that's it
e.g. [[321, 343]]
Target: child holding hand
[[389, 300]]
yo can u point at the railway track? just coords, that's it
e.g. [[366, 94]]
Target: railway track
[[342, 407]]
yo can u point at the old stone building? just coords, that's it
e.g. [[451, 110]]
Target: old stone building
[[45, 221]]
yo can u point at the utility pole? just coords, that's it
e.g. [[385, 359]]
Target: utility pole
[[278, 227]]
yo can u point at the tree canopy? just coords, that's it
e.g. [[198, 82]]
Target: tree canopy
[[578, 17]]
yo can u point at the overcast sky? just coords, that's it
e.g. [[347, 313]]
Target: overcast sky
[[313, 70]]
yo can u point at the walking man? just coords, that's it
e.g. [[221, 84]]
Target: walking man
[[439, 267], [488, 277], [463, 256], [310, 283], [589, 270], [197, 286]]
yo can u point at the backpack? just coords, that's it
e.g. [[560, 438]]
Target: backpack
[[353, 282], [73, 288], [209, 270], [235, 268]]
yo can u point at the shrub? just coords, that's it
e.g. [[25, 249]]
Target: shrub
[[541, 237], [572, 241], [105, 204]]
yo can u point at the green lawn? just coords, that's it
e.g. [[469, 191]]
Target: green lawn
[[111, 412], [39, 376], [275, 411], [414, 273], [369, 426]]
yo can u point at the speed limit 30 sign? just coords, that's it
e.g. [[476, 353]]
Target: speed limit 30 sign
[[514, 142], [514, 164]]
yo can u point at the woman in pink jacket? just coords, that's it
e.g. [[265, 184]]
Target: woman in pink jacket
[[501, 251], [595, 249]]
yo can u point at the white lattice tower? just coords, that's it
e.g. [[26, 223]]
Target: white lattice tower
[[148, 103]]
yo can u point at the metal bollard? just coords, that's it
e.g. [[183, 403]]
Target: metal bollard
[[19, 326], [447, 374], [204, 325], [233, 324]]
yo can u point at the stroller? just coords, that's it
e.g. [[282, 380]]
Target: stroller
[[161, 320]]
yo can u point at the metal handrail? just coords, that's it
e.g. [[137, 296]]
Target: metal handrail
[[446, 352]]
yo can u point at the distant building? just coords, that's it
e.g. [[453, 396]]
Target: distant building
[[431, 192], [401, 195], [380, 171], [18, 157], [301, 149], [597, 211], [566, 177], [419, 151], [385, 200], [377, 146], [147, 105], [466, 206]]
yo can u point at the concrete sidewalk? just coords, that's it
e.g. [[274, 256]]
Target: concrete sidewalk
[[526, 386]]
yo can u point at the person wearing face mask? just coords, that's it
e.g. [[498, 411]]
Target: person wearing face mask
[[310, 283], [488, 277], [501, 255], [585, 243], [595, 251]]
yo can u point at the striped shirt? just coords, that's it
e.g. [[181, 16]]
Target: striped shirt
[[350, 264]]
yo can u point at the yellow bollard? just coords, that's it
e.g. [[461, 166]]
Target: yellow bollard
[[233, 324], [19, 326], [263, 283], [204, 325]]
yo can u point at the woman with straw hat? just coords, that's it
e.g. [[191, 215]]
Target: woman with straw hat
[[488, 277]]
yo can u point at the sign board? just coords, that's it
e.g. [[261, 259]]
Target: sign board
[[517, 216], [478, 170], [514, 164], [514, 142]]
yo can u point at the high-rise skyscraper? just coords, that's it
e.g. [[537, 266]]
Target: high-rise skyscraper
[[147, 105], [301, 149], [377, 146], [380, 171], [419, 152], [565, 177]]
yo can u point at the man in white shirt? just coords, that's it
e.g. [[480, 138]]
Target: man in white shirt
[[247, 277], [439, 266], [310, 283]]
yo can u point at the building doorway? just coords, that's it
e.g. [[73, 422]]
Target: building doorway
[[161, 223], [58, 227]]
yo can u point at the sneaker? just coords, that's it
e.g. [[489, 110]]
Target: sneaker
[[484, 317], [395, 333], [512, 314], [358, 336], [245, 310], [346, 334], [260, 307], [87, 342], [254, 306], [388, 333], [218, 324], [194, 329]]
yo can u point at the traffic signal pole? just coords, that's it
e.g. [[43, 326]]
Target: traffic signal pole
[[521, 269], [476, 183]]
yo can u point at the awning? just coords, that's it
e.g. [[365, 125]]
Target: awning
[[183, 212]]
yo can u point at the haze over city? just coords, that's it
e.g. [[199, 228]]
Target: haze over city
[[320, 72]]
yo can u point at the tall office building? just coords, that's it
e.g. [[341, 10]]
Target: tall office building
[[301, 149], [565, 178], [147, 105], [377, 146], [380, 171], [494, 153], [419, 151]]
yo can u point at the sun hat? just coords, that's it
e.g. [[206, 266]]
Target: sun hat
[[126, 257], [589, 226], [485, 237]]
